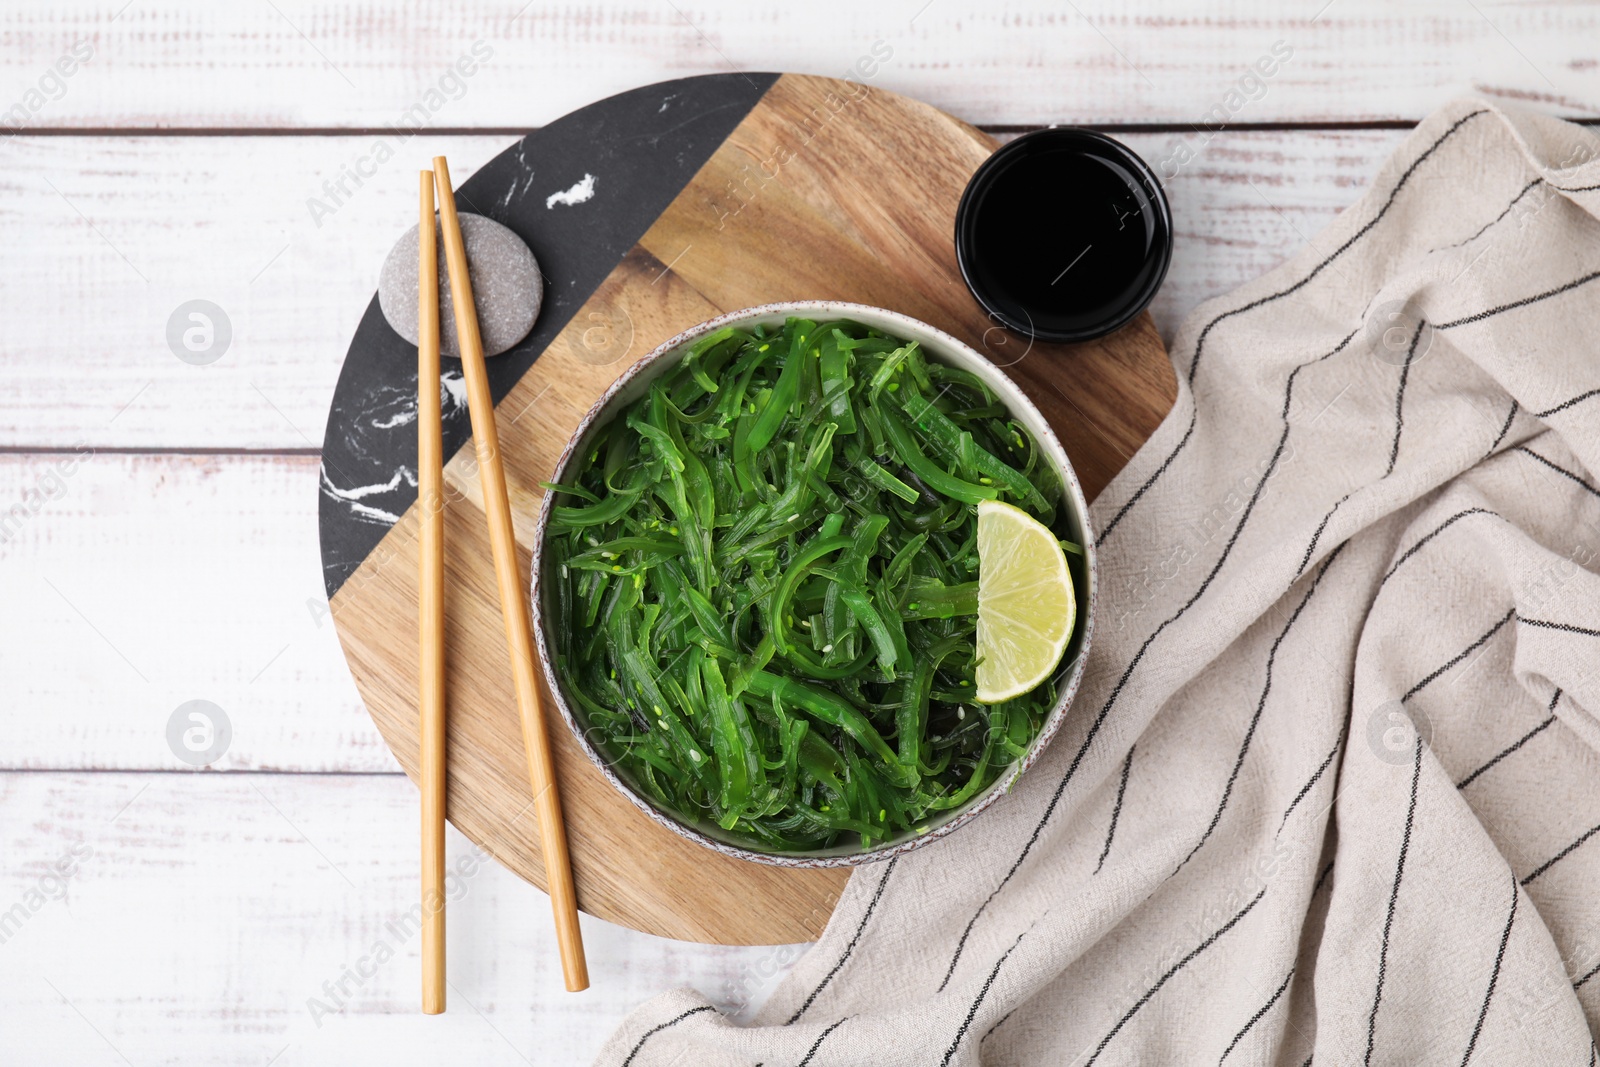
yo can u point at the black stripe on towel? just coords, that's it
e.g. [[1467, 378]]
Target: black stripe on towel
[[1564, 627], [1394, 899], [1261, 704], [851, 947], [1176, 967], [1116, 811], [1459, 656], [1148, 482], [1524, 302], [1518, 743], [997, 1025], [1316, 536], [1526, 189], [1558, 469], [1311, 783], [818, 1042], [1494, 975], [972, 1012], [1511, 416], [1400, 397], [1559, 856], [654, 1030], [1200, 342], [1580, 398], [1430, 535], [1256, 1017]]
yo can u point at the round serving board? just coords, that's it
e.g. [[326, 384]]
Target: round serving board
[[649, 212]]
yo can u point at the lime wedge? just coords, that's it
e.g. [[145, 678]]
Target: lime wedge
[[1026, 609]]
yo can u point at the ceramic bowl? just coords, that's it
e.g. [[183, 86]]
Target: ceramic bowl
[[635, 382]]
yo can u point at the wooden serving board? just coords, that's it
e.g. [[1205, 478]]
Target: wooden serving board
[[708, 195]]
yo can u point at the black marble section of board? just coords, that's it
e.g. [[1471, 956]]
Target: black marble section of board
[[582, 192]]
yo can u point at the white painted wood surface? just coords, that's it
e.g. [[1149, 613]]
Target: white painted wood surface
[[150, 580], [296, 64], [203, 914], [166, 545], [123, 230]]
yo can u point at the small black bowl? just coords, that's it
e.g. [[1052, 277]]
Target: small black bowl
[[1064, 235]]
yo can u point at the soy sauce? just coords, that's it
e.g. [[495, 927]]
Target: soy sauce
[[1064, 235]]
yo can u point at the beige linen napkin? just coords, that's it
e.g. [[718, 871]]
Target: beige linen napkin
[[1331, 789]]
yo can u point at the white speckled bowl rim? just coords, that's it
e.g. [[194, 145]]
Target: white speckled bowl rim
[[635, 381]]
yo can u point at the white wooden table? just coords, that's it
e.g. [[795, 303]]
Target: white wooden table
[[164, 544]]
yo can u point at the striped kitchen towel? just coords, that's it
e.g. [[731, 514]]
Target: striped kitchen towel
[[1331, 789]]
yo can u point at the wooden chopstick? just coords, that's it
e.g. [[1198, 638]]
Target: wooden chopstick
[[430, 601], [513, 594]]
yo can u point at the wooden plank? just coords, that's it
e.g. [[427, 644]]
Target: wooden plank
[[143, 582], [236, 897], [1246, 202], [297, 64], [121, 232]]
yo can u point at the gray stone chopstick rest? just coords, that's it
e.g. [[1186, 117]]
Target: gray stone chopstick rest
[[506, 286]]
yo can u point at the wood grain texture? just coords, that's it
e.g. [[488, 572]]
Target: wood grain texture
[[137, 582], [370, 65], [430, 602], [125, 230], [251, 892], [778, 213]]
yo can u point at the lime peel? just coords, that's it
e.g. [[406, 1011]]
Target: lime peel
[[1026, 605]]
